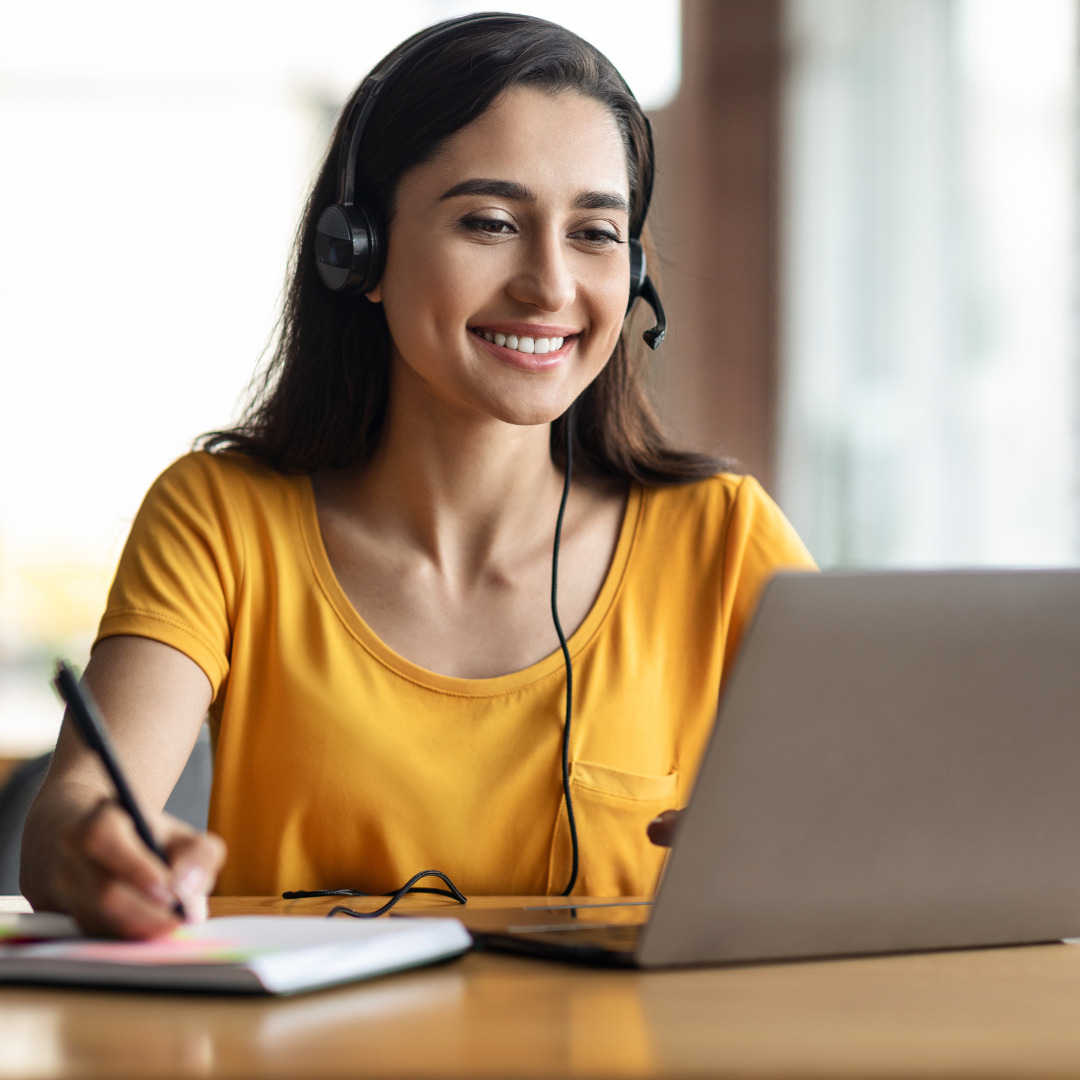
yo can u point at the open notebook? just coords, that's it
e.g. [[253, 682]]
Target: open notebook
[[255, 954]]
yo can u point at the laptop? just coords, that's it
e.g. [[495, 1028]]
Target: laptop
[[895, 766]]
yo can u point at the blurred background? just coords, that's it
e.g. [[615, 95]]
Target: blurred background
[[866, 214]]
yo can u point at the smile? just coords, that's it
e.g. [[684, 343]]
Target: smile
[[527, 345]]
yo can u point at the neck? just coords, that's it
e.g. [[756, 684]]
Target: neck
[[469, 493]]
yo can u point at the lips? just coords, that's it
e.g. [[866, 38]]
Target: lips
[[507, 348]]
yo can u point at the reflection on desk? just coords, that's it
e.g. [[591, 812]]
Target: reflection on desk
[[1001, 1012]]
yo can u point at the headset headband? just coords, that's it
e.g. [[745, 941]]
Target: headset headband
[[364, 102]]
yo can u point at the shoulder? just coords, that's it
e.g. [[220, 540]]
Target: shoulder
[[713, 497], [204, 499], [229, 481], [227, 470], [728, 512]]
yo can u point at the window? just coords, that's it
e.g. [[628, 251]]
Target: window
[[929, 409]]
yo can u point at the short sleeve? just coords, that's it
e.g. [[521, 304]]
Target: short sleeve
[[180, 569], [759, 542]]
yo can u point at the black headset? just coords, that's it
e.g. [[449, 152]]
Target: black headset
[[350, 244]]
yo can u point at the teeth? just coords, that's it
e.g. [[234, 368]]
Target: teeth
[[539, 346]]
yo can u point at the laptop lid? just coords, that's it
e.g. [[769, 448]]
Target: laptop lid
[[895, 766]]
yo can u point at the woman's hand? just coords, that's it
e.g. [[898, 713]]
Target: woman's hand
[[662, 828], [81, 853], [107, 879]]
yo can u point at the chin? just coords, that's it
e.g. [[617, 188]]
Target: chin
[[530, 413]]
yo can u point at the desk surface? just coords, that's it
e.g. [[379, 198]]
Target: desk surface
[[1000, 1012]]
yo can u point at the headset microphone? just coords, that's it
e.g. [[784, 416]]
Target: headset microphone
[[641, 285]]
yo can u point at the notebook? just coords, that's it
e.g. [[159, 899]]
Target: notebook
[[895, 766], [254, 954]]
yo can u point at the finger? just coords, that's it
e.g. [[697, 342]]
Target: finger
[[107, 840], [195, 859], [661, 830], [101, 904]]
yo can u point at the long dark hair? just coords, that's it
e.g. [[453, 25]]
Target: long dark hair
[[322, 400]]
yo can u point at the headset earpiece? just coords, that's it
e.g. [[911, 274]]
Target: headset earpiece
[[349, 250]]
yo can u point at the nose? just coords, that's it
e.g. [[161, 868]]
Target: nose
[[544, 278]]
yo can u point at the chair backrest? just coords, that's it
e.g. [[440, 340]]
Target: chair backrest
[[190, 799], [15, 798]]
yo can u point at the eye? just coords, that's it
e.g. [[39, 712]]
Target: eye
[[597, 238], [487, 226]]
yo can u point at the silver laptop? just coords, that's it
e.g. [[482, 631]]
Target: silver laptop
[[895, 766]]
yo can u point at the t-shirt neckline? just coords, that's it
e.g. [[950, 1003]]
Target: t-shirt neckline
[[547, 667]]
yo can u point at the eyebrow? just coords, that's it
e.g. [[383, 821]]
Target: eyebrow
[[510, 189]]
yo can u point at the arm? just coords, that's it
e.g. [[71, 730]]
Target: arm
[[80, 851]]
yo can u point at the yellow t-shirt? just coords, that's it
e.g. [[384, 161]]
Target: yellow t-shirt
[[340, 764]]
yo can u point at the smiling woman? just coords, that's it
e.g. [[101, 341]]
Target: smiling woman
[[450, 460]]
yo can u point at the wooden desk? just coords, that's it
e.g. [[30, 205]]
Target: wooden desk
[[1004, 1012]]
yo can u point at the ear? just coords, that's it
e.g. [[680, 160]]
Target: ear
[[375, 295]]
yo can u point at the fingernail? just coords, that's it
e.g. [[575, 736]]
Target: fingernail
[[196, 909], [192, 883]]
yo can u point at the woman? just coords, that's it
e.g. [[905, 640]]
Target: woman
[[357, 582]]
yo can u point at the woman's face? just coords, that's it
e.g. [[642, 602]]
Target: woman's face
[[507, 270]]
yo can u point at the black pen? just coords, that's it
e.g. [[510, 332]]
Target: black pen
[[89, 722]]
